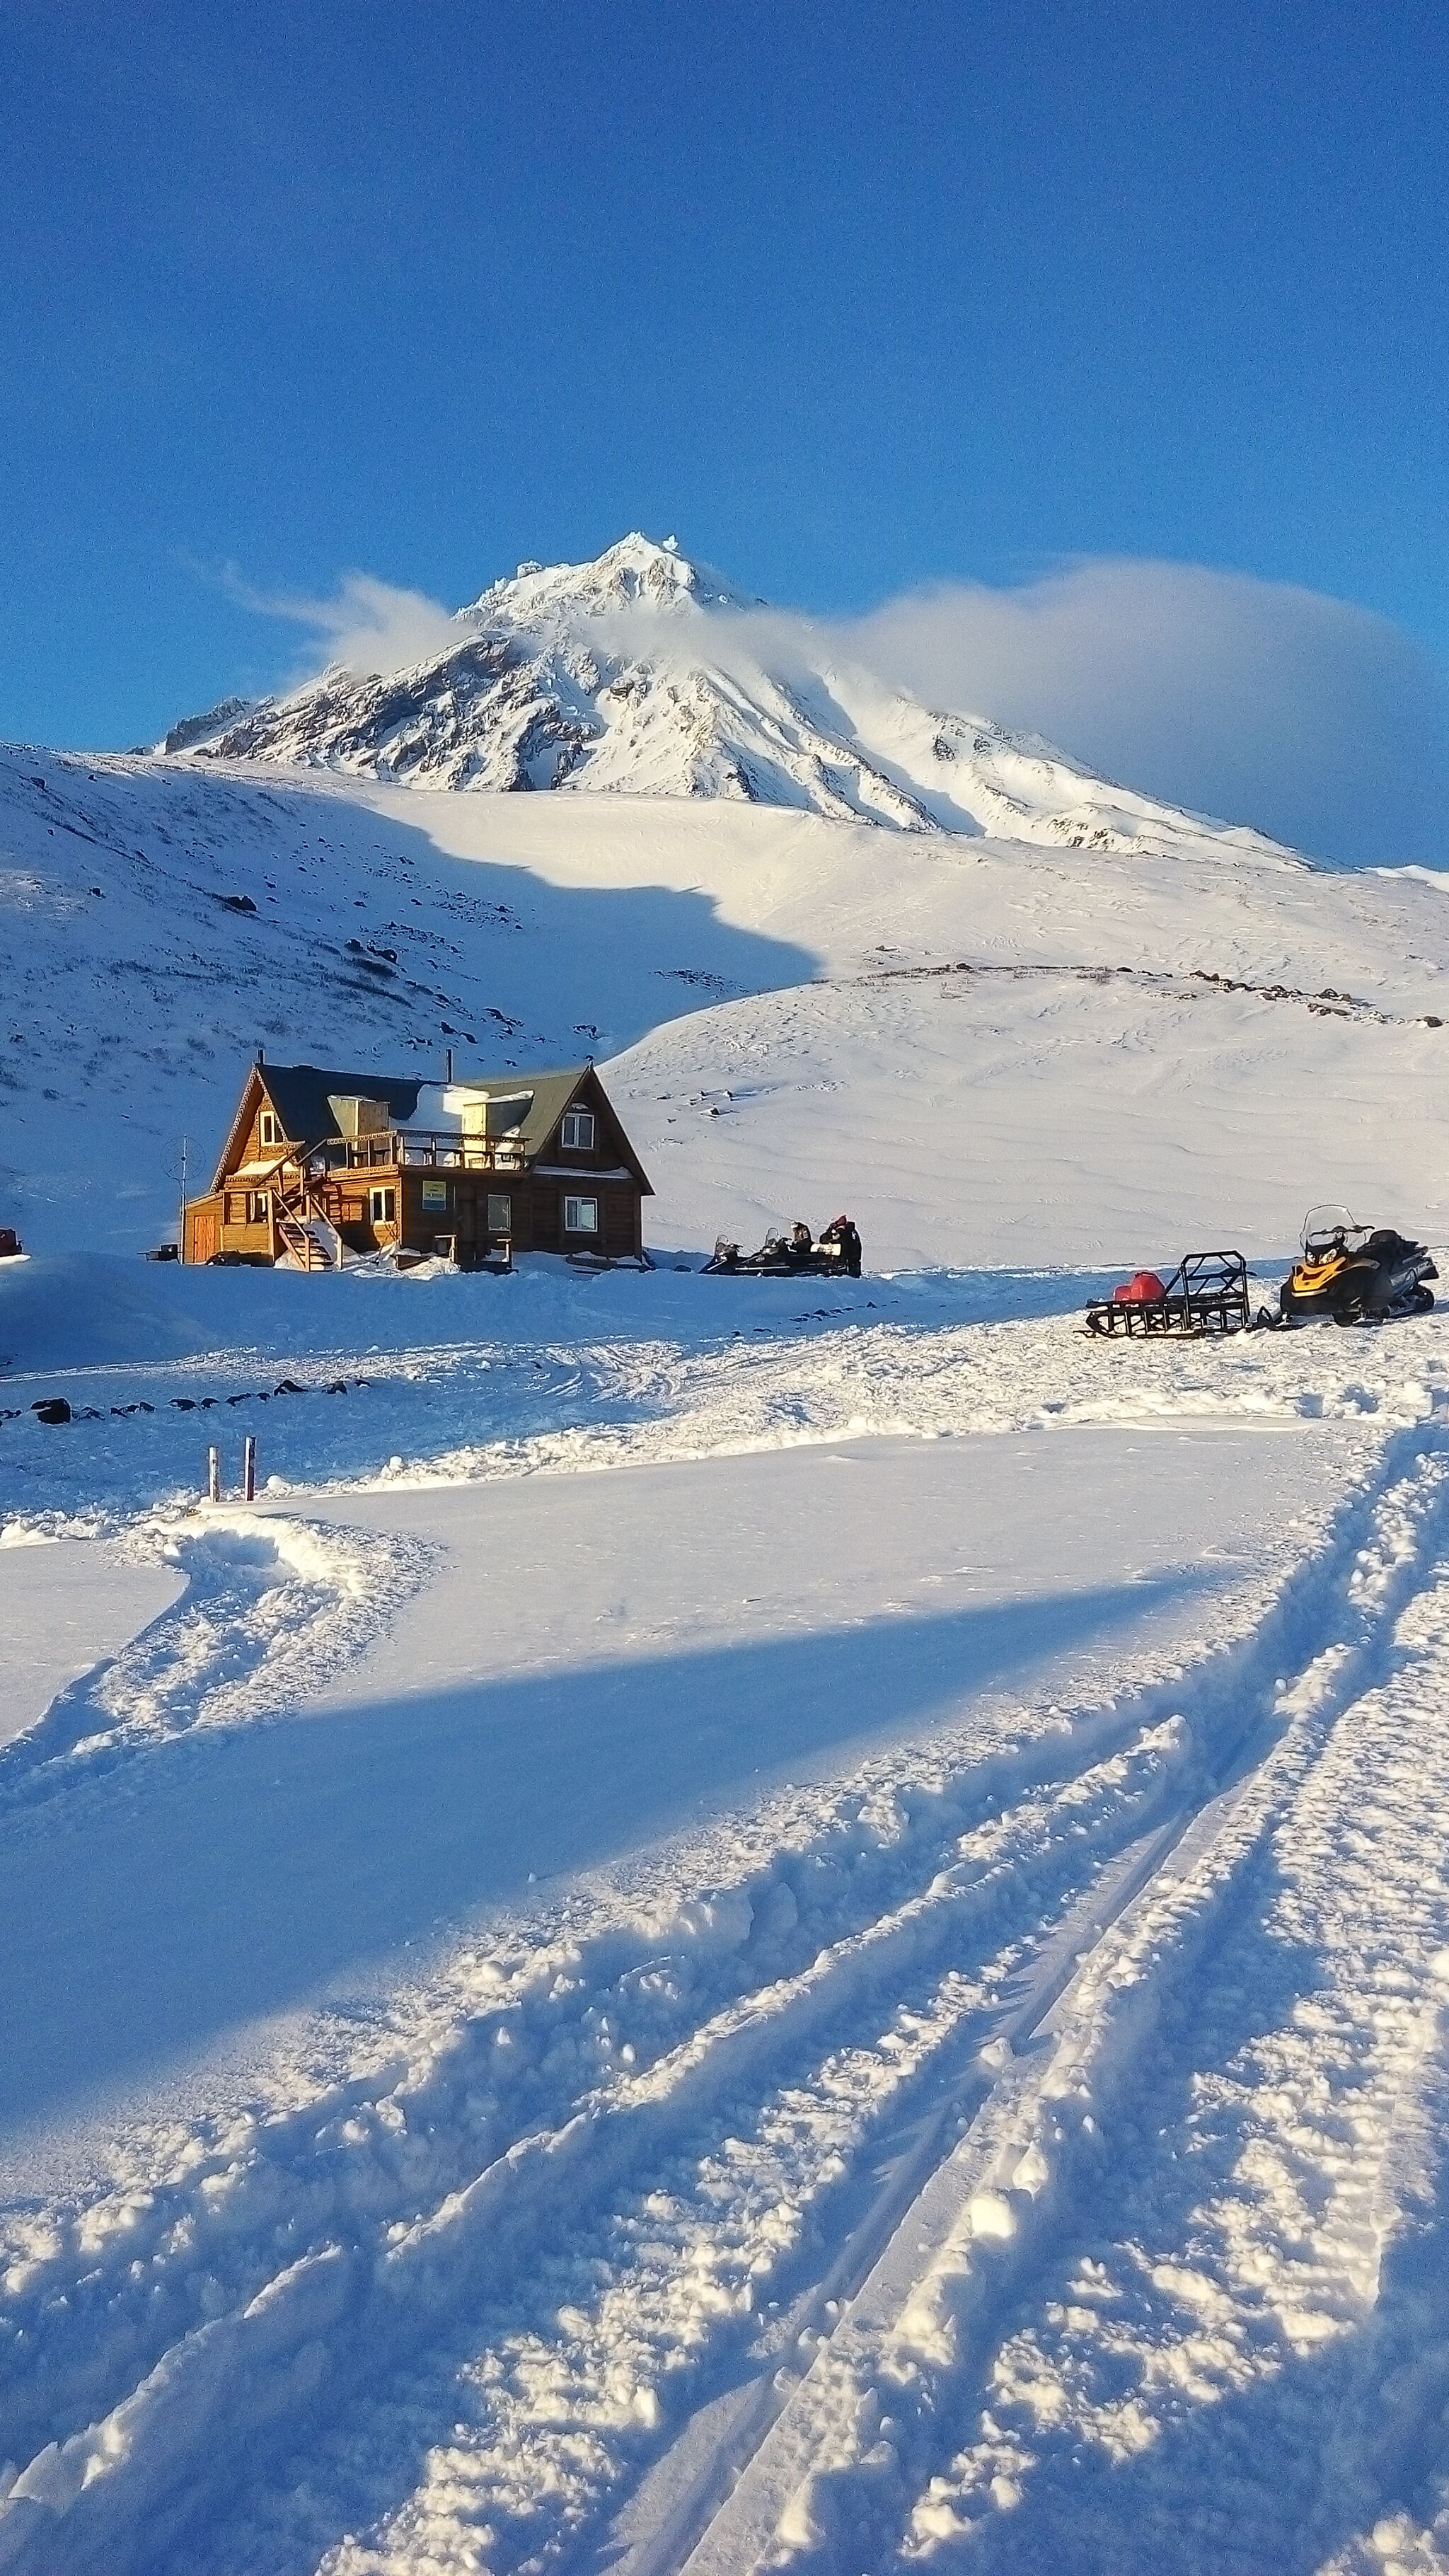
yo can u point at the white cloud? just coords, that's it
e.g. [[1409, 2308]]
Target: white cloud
[[367, 626], [1317, 721]]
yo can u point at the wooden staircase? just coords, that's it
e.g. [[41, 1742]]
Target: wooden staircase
[[307, 1234]]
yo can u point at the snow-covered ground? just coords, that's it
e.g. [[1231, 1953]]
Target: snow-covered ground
[[728, 1933], [741, 1923]]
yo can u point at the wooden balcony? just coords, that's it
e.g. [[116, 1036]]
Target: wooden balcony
[[394, 1151]]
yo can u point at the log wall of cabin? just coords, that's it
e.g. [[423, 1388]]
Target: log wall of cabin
[[461, 1209]]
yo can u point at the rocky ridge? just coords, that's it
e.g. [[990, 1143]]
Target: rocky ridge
[[643, 674]]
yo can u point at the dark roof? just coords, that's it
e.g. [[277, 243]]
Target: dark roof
[[302, 1095]]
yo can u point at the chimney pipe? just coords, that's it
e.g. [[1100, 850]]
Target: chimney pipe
[[450, 1064]]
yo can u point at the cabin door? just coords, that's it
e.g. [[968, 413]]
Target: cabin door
[[203, 1237]]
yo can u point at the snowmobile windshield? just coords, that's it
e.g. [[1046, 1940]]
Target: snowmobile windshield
[[1330, 1229]]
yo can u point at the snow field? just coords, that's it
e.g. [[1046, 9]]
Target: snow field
[[1018, 2145], [1100, 2283], [738, 1368], [63, 1605], [1015, 1113], [327, 2259]]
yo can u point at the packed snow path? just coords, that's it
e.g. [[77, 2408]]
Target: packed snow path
[[648, 2179]]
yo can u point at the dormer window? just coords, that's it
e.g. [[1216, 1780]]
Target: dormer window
[[578, 1131], [270, 1127]]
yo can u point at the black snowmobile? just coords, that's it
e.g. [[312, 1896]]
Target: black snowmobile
[[1357, 1274], [795, 1255]]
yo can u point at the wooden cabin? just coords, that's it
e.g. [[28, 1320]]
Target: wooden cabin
[[320, 1167]]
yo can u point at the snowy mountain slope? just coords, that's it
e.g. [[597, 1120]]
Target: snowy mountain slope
[[1032, 1114], [640, 674], [158, 927], [160, 921]]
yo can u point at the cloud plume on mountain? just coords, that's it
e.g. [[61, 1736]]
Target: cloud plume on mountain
[[1318, 722], [367, 626]]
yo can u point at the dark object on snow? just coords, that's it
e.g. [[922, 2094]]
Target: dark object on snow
[[54, 1409], [1355, 1274], [793, 1256], [241, 1261], [10, 1244], [289, 1386], [842, 1232], [163, 1252], [237, 902], [1207, 1293], [584, 1260]]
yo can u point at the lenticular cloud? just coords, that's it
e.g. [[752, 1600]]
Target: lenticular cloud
[[1316, 721]]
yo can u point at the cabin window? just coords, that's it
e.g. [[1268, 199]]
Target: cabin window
[[270, 1127], [259, 1206], [581, 1216], [578, 1138], [382, 1206], [500, 1212]]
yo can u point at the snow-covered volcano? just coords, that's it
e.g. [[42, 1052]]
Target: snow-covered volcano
[[643, 674]]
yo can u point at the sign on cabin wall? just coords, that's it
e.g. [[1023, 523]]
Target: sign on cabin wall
[[435, 1197]]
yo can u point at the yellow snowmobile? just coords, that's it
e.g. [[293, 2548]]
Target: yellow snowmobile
[[1355, 1274]]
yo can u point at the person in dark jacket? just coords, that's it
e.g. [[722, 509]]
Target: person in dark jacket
[[841, 1231], [802, 1241]]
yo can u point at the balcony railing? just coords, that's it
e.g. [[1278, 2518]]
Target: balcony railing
[[393, 1151]]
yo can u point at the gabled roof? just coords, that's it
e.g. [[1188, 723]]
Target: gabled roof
[[299, 1094], [302, 1095], [548, 1096]]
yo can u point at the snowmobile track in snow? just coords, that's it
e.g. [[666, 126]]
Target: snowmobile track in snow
[[752, 2504], [375, 2294]]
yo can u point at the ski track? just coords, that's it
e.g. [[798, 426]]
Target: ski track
[[454, 2298], [1190, 2254]]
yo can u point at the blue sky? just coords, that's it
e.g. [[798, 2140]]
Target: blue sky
[[852, 299]]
